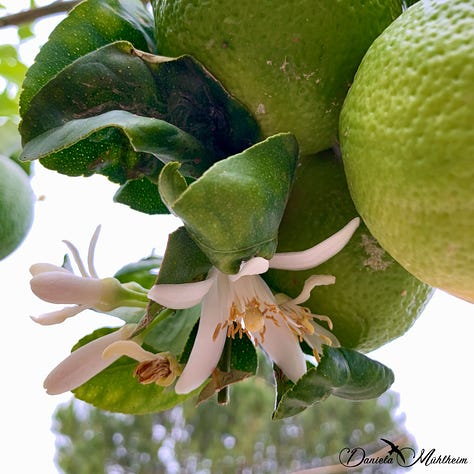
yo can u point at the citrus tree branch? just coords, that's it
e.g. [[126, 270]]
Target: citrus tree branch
[[27, 16]]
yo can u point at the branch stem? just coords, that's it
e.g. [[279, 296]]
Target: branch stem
[[28, 16]]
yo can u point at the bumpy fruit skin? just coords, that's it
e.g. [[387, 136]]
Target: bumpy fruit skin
[[16, 206], [374, 300], [290, 63], [407, 141]]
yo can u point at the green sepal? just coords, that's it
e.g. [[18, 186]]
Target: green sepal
[[234, 209], [342, 372], [115, 388], [116, 144], [89, 26]]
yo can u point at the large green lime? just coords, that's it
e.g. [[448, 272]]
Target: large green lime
[[290, 63], [407, 137], [16, 206], [374, 300]]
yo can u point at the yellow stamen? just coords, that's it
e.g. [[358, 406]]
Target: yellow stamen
[[326, 340], [216, 331], [250, 320]]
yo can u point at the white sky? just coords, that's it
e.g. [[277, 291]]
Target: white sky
[[432, 362]]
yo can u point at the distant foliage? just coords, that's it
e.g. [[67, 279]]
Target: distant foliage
[[229, 439]]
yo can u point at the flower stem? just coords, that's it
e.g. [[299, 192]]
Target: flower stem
[[223, 395]]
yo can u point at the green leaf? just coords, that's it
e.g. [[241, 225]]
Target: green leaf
[[199, 104], [109, 78], [115, 389], [172, 184], [89, 26], [342, 372], [172, 333], [119, 77], [117, 144], [127, 314], [183, 261], [142, 272], [141, 195], [233, 211]]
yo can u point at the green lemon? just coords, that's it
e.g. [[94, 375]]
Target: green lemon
[[407, 138], [374, 300], [16, 206], [290, 63]]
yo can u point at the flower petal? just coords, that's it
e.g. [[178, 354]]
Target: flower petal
[[65, 287], [283, 348], [181, 295], [208, 345], [56, 317], [38, 268], [310, 283], [254, 266], [85, 362], [318, 254], [127, 348]]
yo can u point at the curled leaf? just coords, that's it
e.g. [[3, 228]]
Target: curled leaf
[[118, 76], [233, 211], [117, 144], [344, 373]]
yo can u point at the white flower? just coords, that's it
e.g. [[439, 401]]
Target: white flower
[[59, 285], [244, 304], [85, 362]]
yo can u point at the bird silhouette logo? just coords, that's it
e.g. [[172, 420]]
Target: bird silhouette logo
[[394, 449]]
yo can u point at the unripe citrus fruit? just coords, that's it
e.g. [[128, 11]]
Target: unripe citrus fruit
[[16, 206], [407, 138], [374, 300], [290, 63]]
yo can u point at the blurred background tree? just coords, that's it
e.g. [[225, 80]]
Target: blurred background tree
[[236, 438], [12, 73]]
